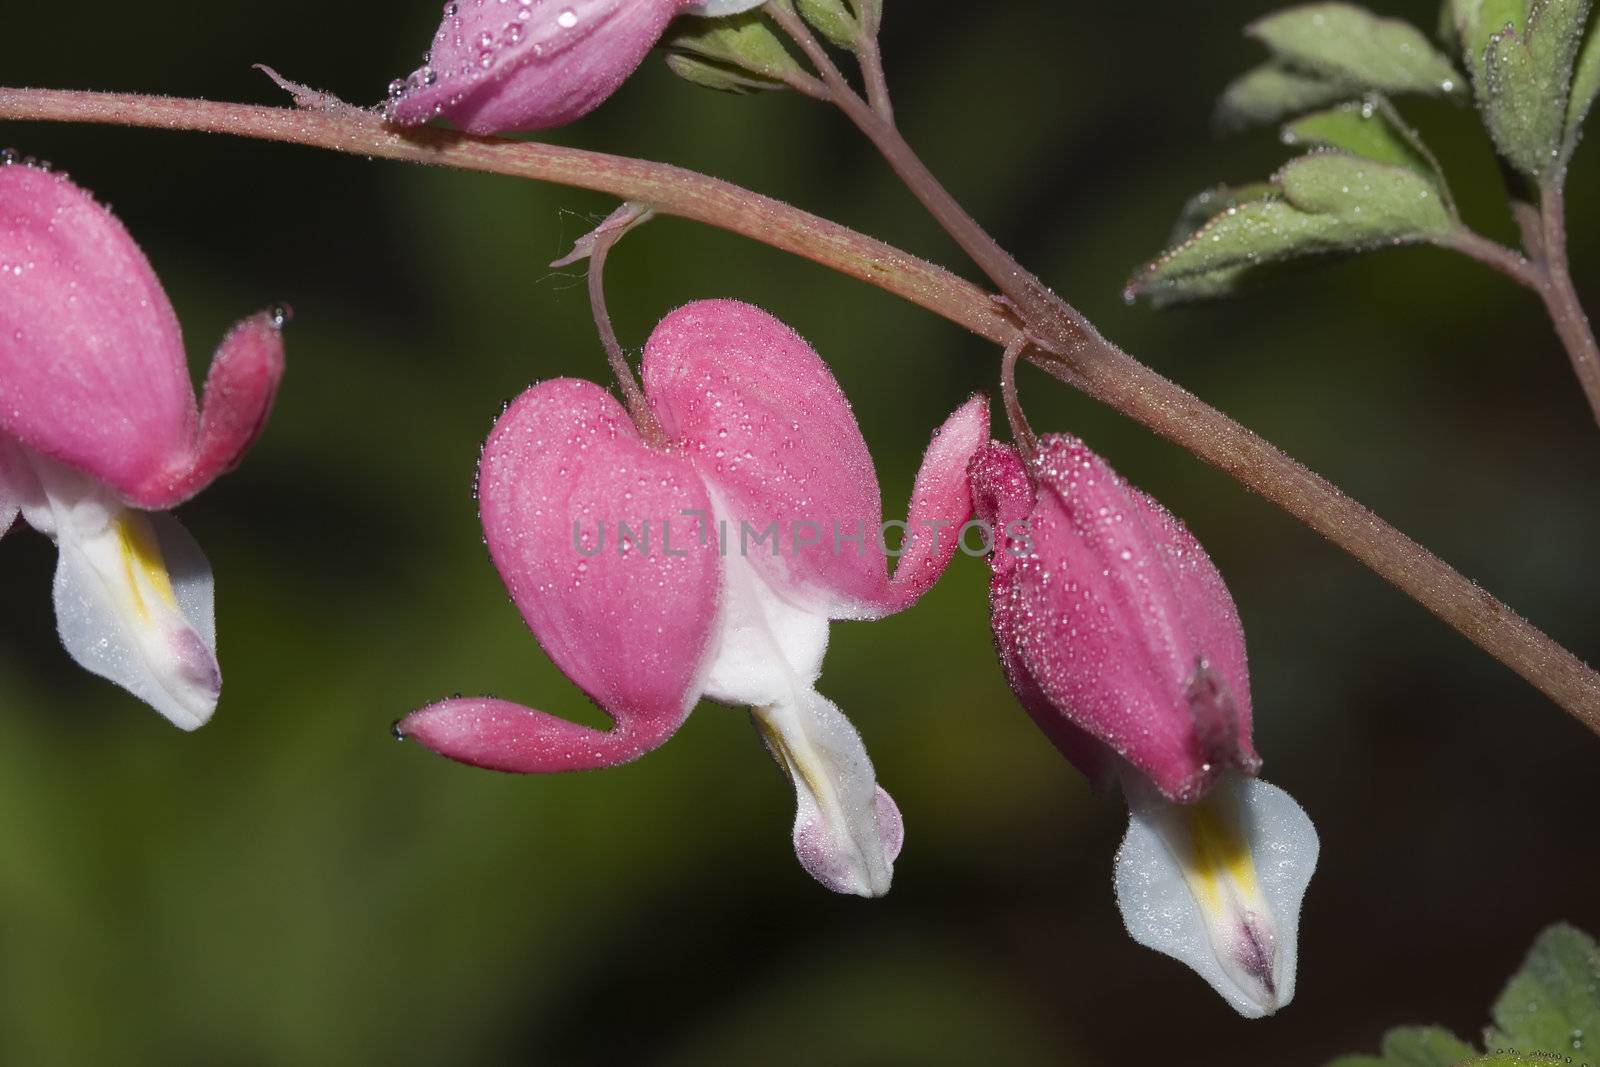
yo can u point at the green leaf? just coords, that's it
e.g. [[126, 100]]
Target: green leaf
[[1585, 87], [1553, 1003], [1371, 129], [1214, 284], [1549, 1011], [1524, 80], [1272, 91], [834, 20], [1475, 21], [1325, 202], [1207, 205], [1414, 1046], [734, 53], [1344, 43], [711, 75]]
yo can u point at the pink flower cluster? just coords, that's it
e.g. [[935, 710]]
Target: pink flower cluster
[[1113, 626]]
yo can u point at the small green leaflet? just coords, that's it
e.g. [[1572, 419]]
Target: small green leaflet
[[735, 53], [1348, 44], [1325, 202], [1414, 1046]]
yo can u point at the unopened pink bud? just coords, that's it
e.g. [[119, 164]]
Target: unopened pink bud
[[499, 66], [1114, 628]]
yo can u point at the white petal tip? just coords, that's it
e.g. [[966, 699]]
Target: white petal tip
[[847, 867], [1218, 887], [133, 598]]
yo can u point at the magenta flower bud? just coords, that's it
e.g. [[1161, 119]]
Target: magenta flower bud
[[708, 565], [1114, 623], [498, 66], [100, 433], [1119, 637]]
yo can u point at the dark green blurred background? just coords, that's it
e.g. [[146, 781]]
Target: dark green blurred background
[[289, 886]]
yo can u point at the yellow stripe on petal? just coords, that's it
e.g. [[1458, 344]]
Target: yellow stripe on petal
[[1219, 866], [143, 563], [1189, 885]]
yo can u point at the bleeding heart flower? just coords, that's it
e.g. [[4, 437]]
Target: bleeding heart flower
[[498, 66], [1120, 639], [99, 428], [707, 564]]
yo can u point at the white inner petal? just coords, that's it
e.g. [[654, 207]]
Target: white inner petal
[[133, 593], [1218, 885], [768, 657], [767, 650]]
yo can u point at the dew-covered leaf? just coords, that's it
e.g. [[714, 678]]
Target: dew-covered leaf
[[1552, 1004], [1344, 43], [1207, 205], [709, 75], [1473, 22], [1325, 202], [1524, 80], [1414, 1046], [1585, 86], [1371, 129], [1213, 284], [734, 53], [834, 19], [1272, 91]]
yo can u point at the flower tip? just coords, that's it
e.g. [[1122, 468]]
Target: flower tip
[[860, 868], [1193, 882], [499, 735], [240, 389], [437, 727], [193, 680]]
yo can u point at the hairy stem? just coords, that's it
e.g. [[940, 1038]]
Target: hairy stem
[[1546, 271], [1561, 298], [871, 56], [1531, 226], [1027, 441], [1496, 256], [1032, 298], [1085, 359], [670, 190], [643, 418]]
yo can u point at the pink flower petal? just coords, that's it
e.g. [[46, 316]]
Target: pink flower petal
[[766, 424], [941, 502], [240, 389], [768, 427], [502, 736], [1004, 498], [1126, 627], [503, 65], [631, 627], [92, 368]]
